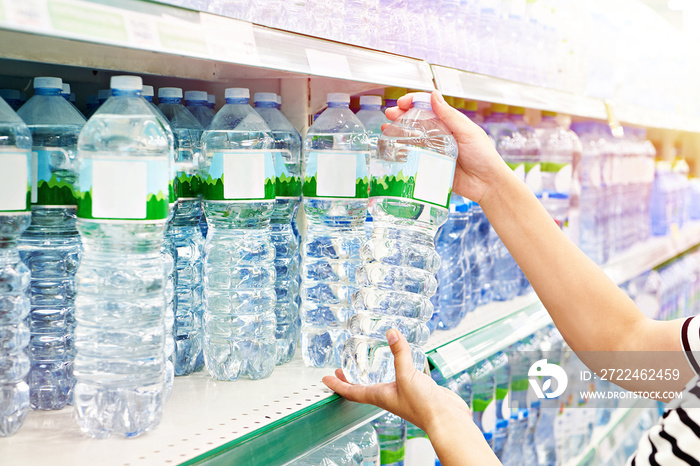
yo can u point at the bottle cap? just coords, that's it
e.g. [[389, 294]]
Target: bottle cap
[[12, 94], [499, 108], [196, 95], [394, 93], [450, 100], [211, 98], [370, 100], [265, 97], [488, 436], [147, 91], [516, 110], [501, 424], [48, 83], [104, 94], [237, 93], [471, 105], [459, 102], [65, 89], [547, 113], [126, 83], [338, 97], [421, 97], [170, 92]]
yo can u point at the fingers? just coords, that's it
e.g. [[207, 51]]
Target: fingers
[[377, 395], [340, 374], [456, 121], [403, 362], [405, 102], [393, 113]]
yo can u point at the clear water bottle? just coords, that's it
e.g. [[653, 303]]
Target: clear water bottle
[[411, 183], [483, 389], [12, 98], [513, 449], [454, 297], [561, 150], [482, 276], [15, 216], [391, 430], [367, 439], [125, 172], [239, 270], [500, 435], [51, 245], [529, 445], [65, 91], [335, 191], [287, 152], [372, 118], [501, 370], [183, 234], [392, 95], [196, 102]]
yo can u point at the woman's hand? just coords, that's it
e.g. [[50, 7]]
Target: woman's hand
[[414, 396], [442, 414], [479, 167]]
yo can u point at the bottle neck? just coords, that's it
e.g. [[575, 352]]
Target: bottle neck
[[338, 105], [371, 107], [196, 103], [390, 103], [170, 100], [47, 91], [237, 100], [149, 98], [125, 93], [265, 105]]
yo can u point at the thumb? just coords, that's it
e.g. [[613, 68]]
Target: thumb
[[403, 361], [458, 123]]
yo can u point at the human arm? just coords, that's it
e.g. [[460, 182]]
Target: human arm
[[590, 311], [414, 396]]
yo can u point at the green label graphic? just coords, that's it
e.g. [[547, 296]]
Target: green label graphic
[[15, 188], [480, 404], [52, 186], [240, 175], [124, 188], [187, 186], [336, 174], [424, 176], [393, 457], [288, 183]]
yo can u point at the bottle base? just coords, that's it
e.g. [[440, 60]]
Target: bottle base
[[369, 361], [13, 407]]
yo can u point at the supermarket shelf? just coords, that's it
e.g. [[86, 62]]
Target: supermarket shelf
[[475, 86], [496, 326], [205, 422], [606, 439], [143, 37], [640, 116]]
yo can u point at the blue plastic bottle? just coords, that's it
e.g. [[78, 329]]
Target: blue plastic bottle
[[183, 231], [454, 297], [410, 187], [15, 204], [287, 152], [125, 164], [51, 245], [239, 270], [335, 192], [196, 102]]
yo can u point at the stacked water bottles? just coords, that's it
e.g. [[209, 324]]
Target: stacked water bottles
[[670, 197], [360, 447]]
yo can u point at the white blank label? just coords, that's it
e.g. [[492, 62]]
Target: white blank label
[[13, 189], [119, 189], [244, 175], [336, 174], [433, 179]]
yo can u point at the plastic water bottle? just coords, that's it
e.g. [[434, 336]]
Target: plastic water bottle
[[513, 449], [500, 435], [529, 445], [410, 187], [335, 193], [372, 118], [454, 298], [367, 439], [125, 165], [483, 389], [15, 204], [501, 369], [561, 149], [482, 275], [51, 245], [392, 95], [196, 102], [391, 430], [12, 98], [211, 101], [239, 281], [287, 152], [183, 231]]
